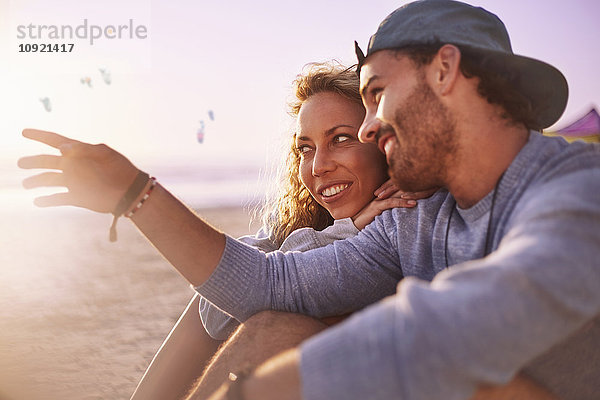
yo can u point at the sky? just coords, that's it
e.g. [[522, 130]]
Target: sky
[[236, 58]]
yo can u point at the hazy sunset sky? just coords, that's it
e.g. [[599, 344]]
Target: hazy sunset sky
[[236, 58]]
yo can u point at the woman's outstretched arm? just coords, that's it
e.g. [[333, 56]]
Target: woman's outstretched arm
[[97, 177]]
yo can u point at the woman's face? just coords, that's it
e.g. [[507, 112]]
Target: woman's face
[[340, 172]]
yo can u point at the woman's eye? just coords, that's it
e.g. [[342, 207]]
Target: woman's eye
[[341, 138], [302, 149]]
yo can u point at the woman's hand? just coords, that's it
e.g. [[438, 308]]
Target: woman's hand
[[388, 196], [95, 176]]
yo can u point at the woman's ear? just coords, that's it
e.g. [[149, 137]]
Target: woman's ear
[[445, 69]]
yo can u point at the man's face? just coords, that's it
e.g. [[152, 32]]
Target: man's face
[[407, 121]]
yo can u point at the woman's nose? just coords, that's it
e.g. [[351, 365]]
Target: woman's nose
[[323, 162], [369, 128]]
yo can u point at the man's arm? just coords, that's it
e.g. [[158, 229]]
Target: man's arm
[[477, 323], [279, 379], [340, 278]]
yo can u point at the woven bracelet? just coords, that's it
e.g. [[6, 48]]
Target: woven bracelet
[[132, 193], [143, 199]]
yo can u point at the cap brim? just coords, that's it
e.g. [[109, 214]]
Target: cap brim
[[545, 86]]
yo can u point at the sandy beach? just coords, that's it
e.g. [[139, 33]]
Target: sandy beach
[[82, 317]]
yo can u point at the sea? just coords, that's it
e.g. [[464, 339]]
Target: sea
[[198, 184]]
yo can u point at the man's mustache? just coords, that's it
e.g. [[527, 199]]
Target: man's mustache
[[384, 129]]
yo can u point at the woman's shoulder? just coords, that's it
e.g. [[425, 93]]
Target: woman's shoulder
[[262, 240]]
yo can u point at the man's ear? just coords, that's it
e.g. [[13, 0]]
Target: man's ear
[[445, 69]]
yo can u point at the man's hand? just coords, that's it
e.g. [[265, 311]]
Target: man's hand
[[95, 176], [387, 196]]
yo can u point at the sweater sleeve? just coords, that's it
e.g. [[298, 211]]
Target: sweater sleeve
[[221, 325], [315, 282], [218, 324], [479, 322]]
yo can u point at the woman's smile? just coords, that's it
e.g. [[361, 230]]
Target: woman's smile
[[334, 192]]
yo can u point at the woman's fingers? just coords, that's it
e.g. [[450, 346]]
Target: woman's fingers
[[44, 161], [46, 179], [377, 206], [386, 190], [393, 202], [419, 195], [53, 200], [67, 146], [86, 150], [50, 138], [389, 189]]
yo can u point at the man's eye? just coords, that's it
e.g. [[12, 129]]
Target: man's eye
[[376, 95]]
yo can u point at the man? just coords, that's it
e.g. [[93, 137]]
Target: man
[[499, 271], [450, 106]]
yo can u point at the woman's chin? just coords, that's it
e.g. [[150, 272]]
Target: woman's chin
[[341, 212]]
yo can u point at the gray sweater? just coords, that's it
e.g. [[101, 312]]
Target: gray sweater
[[532, 304], [220, 325]]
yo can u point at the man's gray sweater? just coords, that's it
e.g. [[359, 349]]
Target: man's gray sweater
[[532, 304]]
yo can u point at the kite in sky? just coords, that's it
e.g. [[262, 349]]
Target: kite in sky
[[105, 75], [200, 133], [86, 81], [46, 102], [586, 128]]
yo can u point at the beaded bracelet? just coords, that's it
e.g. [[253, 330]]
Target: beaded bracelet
[[143, 199], [138, 184]]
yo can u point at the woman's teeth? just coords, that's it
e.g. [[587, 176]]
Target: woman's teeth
[[330, 191]]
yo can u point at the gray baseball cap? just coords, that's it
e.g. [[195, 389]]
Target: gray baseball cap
[[445, 21]]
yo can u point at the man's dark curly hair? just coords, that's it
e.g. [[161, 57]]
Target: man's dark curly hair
[[496, 84]]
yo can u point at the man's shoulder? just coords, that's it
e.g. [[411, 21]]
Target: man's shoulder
[[568, 179], [558, 158], [423, 214]]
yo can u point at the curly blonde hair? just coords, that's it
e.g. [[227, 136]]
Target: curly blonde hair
[[294, 207]]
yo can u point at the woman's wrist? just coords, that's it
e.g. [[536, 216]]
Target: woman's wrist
[[141, 199], [136, 190]]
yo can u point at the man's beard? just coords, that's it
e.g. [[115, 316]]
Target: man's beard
[[426, 142]]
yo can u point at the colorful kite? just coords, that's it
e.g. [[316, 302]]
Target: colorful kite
[[86, 80], [200, 133], [586, 128]]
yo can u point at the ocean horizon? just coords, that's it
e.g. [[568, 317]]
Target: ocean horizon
[[198, 184]]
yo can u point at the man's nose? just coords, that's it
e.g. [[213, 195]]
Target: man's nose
[[369, 128], [323, 162]]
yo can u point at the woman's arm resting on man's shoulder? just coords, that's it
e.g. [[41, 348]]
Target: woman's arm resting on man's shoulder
[[388, 196]]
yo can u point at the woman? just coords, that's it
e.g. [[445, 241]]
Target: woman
[[327, 190], [329, 175]]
